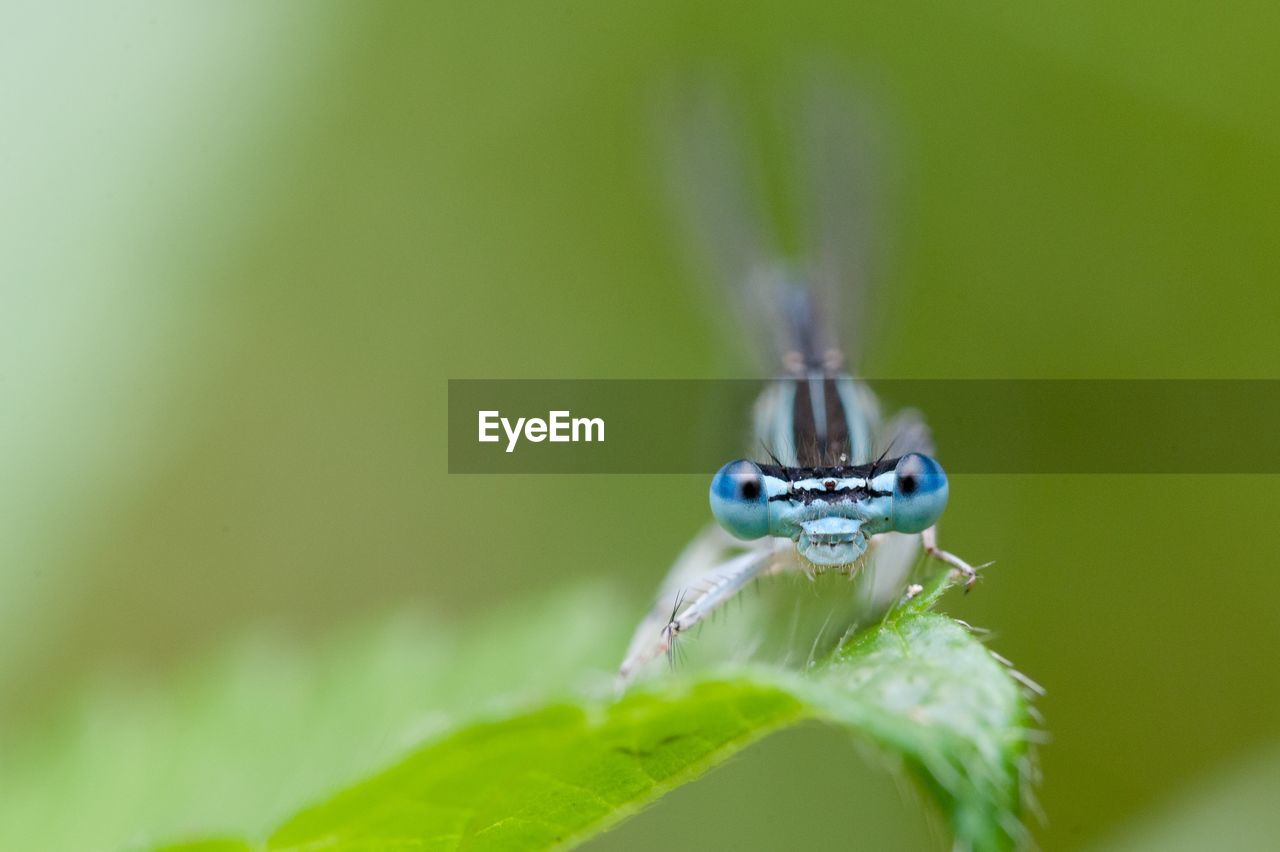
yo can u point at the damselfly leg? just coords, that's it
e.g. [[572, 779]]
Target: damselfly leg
[[929, 538], [693, 604]]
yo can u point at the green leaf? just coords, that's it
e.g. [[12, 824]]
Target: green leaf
[[549, 777], [236, 742], [918, 684]]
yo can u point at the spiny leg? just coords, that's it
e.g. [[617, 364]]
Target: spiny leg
[[711, 547], [929, 538], [712, 589]]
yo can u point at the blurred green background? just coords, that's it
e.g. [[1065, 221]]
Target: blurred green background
[[243, 246]]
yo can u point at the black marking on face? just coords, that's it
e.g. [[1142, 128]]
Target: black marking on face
[[848, 494]]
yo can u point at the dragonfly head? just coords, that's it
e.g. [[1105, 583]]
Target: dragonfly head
[[831, 540]]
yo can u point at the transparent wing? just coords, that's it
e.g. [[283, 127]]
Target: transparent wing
[[715, 185], [783, 298], [838, 143]]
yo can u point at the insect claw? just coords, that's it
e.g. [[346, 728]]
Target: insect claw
[[971, 576]]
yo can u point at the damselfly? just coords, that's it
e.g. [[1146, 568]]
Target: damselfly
[[834, 485]]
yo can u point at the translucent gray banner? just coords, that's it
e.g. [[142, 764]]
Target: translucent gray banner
[[980, 425]]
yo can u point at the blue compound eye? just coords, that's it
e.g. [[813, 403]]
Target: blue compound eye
[[739, 501], [919, 493]]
